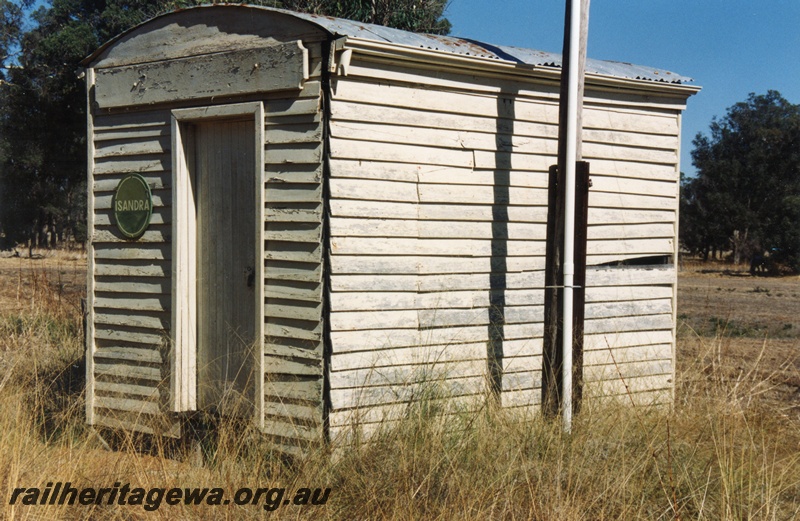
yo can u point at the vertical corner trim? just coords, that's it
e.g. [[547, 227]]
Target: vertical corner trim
[[182, 352], [260, 138], [90, 345], [328, 53]]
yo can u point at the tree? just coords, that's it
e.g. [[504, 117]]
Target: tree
[[420, 16], [697, 233], [11, 17], [42, 115], [42, 99], [747, 188]]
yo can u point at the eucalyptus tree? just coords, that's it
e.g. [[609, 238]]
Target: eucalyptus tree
[[746, 196]]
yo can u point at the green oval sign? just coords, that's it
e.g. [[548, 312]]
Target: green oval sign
[[133, 205]]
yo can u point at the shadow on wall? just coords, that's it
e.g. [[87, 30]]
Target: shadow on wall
[[499, 258]]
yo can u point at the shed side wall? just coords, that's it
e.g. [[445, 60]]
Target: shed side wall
[[438, 214]]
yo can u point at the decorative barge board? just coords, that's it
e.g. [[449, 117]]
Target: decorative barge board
[[341, 216]]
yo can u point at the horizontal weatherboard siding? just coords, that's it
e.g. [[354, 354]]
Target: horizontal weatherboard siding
[[438, 216]]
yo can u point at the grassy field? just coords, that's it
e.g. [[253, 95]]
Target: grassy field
[[754, 323], [730, 449]]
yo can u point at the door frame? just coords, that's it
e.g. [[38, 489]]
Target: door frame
[[183, 355]]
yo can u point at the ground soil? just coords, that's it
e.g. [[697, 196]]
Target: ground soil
[[28, 283], [715, 298], [748, 325]]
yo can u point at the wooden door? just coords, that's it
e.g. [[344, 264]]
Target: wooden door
[[224, 185]]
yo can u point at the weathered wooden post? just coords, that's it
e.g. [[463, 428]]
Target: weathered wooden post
[[559, 329]]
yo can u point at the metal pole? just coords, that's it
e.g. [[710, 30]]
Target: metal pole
[[577, 47]]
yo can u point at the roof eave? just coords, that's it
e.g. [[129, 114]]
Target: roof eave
[[511, 69]]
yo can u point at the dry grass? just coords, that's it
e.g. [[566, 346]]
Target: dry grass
[[730, 449], [716, 296]]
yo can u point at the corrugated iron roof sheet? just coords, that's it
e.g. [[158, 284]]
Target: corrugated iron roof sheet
[[342, 27]]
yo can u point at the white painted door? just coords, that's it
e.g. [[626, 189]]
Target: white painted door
[[224, 187]]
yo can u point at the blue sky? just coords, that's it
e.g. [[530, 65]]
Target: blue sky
[[730, 47]]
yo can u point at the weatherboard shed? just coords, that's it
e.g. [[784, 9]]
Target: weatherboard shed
[[301, 219]]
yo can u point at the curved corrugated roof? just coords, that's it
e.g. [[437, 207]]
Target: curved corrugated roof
[[468, 47]]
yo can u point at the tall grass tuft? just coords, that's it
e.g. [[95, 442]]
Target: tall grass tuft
[[721, 453]]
